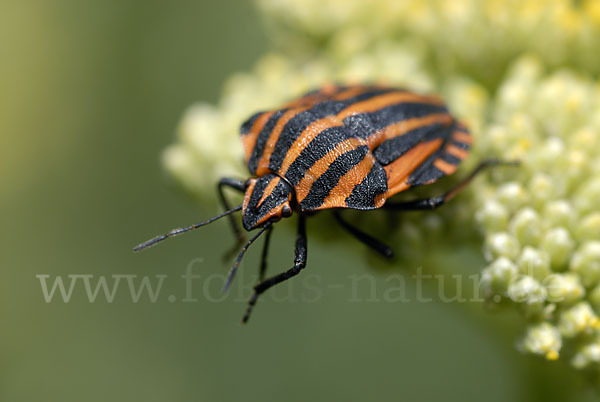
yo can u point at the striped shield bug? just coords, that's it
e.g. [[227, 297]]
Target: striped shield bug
[[334, 148]]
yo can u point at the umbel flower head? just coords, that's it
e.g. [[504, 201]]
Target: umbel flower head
[[540, 223], [477, 37], [542, 230]]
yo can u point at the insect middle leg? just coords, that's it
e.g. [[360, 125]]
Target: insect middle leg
[[365, 238], [436, 202], [240, 186], [299, 264]]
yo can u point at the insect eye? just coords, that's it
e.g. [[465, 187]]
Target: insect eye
[[286, 211]]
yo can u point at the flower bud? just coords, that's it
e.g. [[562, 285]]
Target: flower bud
[[542, 339], [559, 246], [586, 263], [502, 245], [578, 319]]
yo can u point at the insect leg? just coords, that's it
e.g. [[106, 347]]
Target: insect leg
[[299, 264], [365, 238], [436, 202], [240, 186], [265, 252]]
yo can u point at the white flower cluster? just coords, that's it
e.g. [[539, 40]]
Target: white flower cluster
[[542, 230], [476, 37]]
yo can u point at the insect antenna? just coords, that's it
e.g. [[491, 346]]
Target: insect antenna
[[177, 231], [238, 260]]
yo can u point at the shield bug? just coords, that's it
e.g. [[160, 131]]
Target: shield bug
[[339, 147]]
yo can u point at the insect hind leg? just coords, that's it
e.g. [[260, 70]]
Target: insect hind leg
[[436, 202], [300, 257], [365, 238]]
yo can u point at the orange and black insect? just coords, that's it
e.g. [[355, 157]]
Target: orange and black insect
[[340, 147]]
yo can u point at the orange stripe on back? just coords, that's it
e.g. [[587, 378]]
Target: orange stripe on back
[[404, 126], [444, 166], [321, 166], [337, 196], [400, 170], [329, 92], [263, 163], [461, 126], [350, 92], [381, 101], [326, 91], [309, 134], [248, 194], [269, 189], [355, 91], [456, 151], [462, 137], [249, 140]]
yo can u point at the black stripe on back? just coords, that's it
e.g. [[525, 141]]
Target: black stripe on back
[[254, 213], [257, 192], [330, 178], [298, 123], [326, 141], [261, 140], [428, 172], [357, 126], [363, 125], [453, 160], [247, 125], [461, 145], [425, 174], [363, 195], [319, 91], [312, 92], [278, 196], [390, 150]]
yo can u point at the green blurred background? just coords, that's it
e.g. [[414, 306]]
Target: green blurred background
[[91, 92]]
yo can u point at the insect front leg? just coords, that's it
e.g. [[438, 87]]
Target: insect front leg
[[436, 202], [240, 186], [300, 257], [264, 255]]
